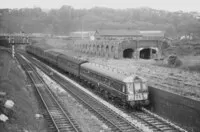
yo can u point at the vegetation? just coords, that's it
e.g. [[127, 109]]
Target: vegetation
[[67, 19]]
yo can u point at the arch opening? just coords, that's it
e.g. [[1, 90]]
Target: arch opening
[[112, 49], [97, 48], [107, 48], [148, 53], [102, 47], [128, 53], [102, 50]]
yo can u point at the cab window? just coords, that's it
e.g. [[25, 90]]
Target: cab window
[[130, 88]]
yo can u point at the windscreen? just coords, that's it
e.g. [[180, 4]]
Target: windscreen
[[130, 88], [137, 87]]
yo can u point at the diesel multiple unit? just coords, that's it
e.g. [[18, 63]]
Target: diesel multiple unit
[[127, 89]]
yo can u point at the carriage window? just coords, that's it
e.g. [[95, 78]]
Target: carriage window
[[85, 71], [108, 82], [102, 79], [76, 67], [112, 84], [123, 89], [117, 86], [94, 75], [99, 77], [90, 73]]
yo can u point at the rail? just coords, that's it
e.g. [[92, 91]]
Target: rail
[[60, 117]]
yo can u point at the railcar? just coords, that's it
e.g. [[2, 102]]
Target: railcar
[[70, 64], [30, 49], [51, 57], [37, 50], [113, 84], [127, 89]]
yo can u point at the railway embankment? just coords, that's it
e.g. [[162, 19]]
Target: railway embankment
[[13, 83]]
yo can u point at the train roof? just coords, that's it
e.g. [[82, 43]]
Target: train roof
[[72, 59], [43, 47], [56, 50], [111, 72], [67, 55], [52, 52]]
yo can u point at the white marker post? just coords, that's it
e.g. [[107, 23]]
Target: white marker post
[[13, 50]]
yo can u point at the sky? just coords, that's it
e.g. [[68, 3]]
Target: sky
[[169, 5]]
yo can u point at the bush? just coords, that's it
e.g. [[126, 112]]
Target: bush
[[174, 61]]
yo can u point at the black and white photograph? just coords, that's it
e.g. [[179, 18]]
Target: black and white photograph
[[99, 66]]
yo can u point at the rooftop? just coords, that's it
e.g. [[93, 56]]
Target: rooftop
[[80, 34], [118, 32], [131, 33]]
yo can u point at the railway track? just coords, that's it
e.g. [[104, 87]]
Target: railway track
[[109, 117], [59, 118], [114, 121], [154, 122]]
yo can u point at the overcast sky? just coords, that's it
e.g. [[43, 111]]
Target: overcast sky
[[170, 5]]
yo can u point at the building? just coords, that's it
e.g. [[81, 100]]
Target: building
[[117, 34], [82, 35], [123, 44], [128, 34]]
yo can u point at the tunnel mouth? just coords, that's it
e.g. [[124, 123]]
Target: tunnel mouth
[[147, 53], [128, 53]]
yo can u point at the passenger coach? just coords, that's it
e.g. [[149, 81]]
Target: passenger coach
[[70, 64], [126, 89]]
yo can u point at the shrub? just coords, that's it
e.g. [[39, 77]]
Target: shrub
[[174, 61]]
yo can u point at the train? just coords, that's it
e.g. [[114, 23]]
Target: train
[[128, 90]]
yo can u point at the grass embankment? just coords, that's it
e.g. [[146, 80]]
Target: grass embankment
[[186, 63], [13, 82], [191, 63]]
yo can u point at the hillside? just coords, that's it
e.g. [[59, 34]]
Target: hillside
[[67, 19]]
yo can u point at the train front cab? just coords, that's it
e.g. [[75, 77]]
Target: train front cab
[[137, 91]]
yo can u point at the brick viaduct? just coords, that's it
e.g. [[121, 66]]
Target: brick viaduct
[[117, 48]]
